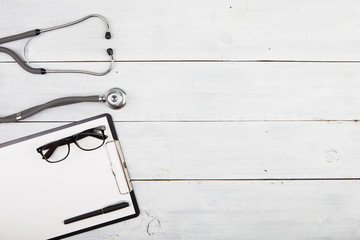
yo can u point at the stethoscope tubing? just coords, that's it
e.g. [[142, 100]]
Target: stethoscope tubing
[[37, 32], [54, 103], [115, 98], [21, 62]]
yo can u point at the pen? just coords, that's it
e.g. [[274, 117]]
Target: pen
[[104, 210]]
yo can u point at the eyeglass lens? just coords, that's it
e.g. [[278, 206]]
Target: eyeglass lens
[[90, 140], [59, 150], [56, 153]]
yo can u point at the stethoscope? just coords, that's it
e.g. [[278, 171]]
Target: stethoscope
[[115, 98], [37, 32]]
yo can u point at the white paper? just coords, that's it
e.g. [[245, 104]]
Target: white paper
[[37, 196]]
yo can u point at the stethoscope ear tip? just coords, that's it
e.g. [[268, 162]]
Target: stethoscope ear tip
[[107, 35], [110, 51]]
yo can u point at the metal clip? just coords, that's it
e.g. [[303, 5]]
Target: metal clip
[[118, 167], [18, 116]]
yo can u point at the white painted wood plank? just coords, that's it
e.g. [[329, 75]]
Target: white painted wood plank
[[241, 210], [247, 150], [193, 91], [201, 29]]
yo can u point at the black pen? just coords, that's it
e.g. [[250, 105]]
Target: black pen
[[104, 210]]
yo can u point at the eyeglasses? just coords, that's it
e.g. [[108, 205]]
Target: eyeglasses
[[87, 140]]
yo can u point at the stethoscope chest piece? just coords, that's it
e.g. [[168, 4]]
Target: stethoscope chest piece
[[115, 98]]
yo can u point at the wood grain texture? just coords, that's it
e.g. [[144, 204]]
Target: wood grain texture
[[241, 210], [170, 29], [194, 91], [250, 150], [221, 94]]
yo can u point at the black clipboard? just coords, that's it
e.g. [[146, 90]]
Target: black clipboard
[[86, 163]]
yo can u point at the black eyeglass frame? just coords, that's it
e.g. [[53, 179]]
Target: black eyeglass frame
[[72, 139]]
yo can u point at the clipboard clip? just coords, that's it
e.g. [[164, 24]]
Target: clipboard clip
[[118, 167]]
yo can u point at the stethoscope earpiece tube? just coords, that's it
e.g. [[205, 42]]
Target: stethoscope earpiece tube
[[21, 62], [12, 54], [36, 32], [115, 98], [28, 34]]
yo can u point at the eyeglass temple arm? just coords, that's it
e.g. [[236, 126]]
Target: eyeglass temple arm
[[54, 103], [52, 147], [95, 135], [50, 152]]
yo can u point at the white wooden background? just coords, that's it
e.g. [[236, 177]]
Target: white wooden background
[[241, 120]]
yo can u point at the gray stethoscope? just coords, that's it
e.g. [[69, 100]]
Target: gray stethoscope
[[115, 98], [37, 32]]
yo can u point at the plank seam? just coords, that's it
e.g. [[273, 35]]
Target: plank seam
[[194, 61], [201, 121], [242, 179]]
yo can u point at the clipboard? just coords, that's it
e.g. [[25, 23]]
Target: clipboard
[[37, 196]]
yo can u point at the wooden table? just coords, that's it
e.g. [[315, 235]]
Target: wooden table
[[241, 120]]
